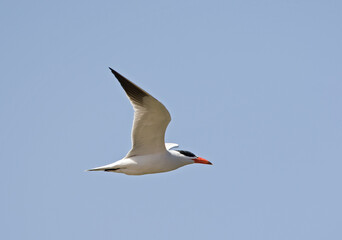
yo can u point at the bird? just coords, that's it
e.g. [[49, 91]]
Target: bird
[[149, 153]]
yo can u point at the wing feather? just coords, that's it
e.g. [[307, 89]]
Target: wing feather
[[151, 119]]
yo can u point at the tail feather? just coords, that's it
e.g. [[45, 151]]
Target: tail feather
[[108, 167], [95, 169]]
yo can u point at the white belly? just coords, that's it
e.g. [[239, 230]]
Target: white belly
[[147, 164]]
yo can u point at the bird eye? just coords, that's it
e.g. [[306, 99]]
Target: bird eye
[[186, 153]]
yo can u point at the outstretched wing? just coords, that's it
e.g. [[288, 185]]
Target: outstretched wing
[[171, 145], [151, 119]]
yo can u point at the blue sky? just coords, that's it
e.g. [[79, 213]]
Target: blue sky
[[253, 86]]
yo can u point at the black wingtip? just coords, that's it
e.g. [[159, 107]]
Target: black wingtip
[[112, 70], [116, 74], [134, 92]]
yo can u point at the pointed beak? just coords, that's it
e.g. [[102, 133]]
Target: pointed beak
[[202, 160]]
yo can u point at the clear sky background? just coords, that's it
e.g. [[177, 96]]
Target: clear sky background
[[253, 86]]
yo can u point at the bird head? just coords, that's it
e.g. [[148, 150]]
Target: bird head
[[193, 157]]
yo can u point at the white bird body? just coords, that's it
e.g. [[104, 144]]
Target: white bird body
[[149, 153], [147, 164]]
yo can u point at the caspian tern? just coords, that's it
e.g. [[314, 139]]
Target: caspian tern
[[149, 153]]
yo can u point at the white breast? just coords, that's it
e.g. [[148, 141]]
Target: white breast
[[153, 163]]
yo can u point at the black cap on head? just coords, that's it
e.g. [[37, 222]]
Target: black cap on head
[[186, 153]]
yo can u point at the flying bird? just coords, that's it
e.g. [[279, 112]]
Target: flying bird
[[149, 152]]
